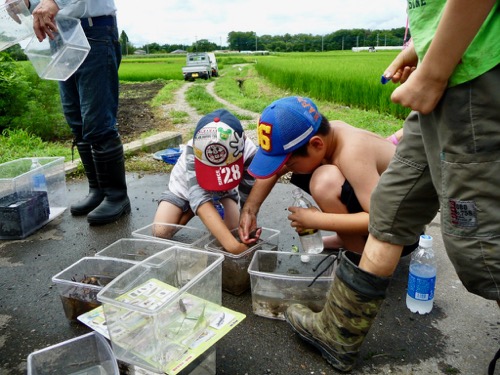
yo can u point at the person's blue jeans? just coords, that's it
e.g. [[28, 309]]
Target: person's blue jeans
[[90, 96]]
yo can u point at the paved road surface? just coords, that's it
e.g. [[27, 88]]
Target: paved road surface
[[459, 336]]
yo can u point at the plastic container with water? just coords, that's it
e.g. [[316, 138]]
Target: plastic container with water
[[16, 23], [31, 195], [58, 58]]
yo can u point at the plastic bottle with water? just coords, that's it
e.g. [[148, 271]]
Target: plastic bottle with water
[[422, 277], [39, 181], [218, 205], [310, 239]]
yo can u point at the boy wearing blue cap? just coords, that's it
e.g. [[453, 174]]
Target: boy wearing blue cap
[[211, 169], [338, 164]]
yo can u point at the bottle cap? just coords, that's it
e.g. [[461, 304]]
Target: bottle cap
[[425, 240]]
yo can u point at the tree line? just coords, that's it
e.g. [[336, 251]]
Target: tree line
[[249, 41]]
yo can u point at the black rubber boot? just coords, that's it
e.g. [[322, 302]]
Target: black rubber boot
[[95, 196], [110, 167]]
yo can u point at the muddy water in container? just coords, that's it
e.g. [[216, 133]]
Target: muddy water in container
[[280, 279]]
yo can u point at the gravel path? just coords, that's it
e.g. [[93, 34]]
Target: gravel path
[[181, 105]]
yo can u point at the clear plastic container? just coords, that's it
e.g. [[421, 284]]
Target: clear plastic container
[[280, 279], [158, 308], [59, 58], [235, 277], [79, 283], [174, 234], [205, 364], [88, 354], [16, 23], [23, 210], [134, 249]]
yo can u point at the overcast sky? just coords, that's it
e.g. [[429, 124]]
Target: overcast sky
[[186, 21]]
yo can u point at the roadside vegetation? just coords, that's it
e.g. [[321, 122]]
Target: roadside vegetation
[[344, 85]]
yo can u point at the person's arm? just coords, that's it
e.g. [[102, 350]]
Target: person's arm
[[311, 218], [248, 216], [214, 223], [457, 28]]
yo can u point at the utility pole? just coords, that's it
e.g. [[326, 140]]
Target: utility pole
[[256, 41]]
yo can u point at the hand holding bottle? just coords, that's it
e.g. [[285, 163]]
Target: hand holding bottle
[[302, 218], [310, 239]]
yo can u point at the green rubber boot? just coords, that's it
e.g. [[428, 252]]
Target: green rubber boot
[[352, 304]]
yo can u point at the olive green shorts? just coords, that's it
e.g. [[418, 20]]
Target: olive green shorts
[[449, 159]]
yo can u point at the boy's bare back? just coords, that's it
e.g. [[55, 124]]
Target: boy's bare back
[[361, 156]]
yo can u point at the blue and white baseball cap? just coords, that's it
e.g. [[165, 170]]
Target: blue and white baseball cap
[[284, 126]]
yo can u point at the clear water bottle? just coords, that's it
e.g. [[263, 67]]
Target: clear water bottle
[[310, 239], [218, 206], [39, 181], [422, 277]]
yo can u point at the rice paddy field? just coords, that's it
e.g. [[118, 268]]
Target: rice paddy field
[[344, 77]]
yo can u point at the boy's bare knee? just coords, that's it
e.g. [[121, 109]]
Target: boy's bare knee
[[326, 186], [162, 230]]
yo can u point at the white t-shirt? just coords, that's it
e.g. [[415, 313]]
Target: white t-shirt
[[184, 184]]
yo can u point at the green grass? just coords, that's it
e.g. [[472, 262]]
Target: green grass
[[150, 70], [16, 144], [200, 99], [344, 85], [341, 77], [256, 93]]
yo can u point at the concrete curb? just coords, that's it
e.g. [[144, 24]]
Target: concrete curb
[[150, 144]]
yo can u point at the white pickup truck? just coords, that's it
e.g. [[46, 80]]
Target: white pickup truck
[[200, 65]]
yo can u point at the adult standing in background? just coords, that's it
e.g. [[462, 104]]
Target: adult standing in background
[[90, 104]]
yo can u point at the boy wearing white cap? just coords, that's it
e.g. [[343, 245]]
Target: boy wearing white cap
[[211, 169]]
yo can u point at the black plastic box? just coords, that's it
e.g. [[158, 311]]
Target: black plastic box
[[22, 213]]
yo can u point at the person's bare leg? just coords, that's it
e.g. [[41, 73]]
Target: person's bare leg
[[326, 189], [380, 258], [333, 242], [168, 213]]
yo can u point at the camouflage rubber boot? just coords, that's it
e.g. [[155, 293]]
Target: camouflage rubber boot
[[340, 328]]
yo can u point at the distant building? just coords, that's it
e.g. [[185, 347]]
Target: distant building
[[178, 51], [255, 52], [379, 48], [139, 52]]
